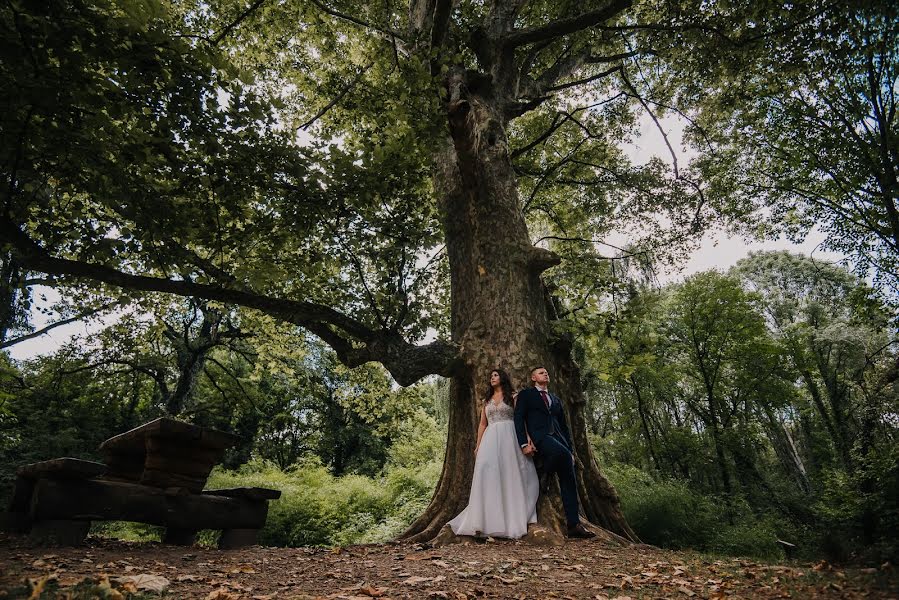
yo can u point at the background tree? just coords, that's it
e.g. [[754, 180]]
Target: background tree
[[812, 135]]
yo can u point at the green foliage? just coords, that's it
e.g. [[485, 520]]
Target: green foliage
[[50, 415], [755, 405], [672, 514], [804, 134], [419, 439], [318, 509]]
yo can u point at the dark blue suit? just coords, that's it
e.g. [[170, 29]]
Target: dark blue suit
[[549, 431]]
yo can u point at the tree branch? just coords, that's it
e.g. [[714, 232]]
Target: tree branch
[[385, 30], [577, 82], [353, 341], [60, 323], [240, 19], [567, 26], [337, 98]]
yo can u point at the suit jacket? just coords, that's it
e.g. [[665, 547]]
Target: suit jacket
[[531, 413]]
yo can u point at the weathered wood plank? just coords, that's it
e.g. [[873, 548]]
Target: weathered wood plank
[[175, 449], [166, 479], [15, 522], [59, 532], [254, 493], [96, 499], [21, 494], [181, 466], [126, 466], [62, 468], [165, 427], [231, 539], [179, 537]]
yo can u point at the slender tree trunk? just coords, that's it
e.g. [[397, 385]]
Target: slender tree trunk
[[191, 357], [498, 312], [786, 450], [644, 424]]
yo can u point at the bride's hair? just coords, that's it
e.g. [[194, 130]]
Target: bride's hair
[[505, 384]]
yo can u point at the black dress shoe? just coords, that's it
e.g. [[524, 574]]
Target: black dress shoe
[[581, 532]]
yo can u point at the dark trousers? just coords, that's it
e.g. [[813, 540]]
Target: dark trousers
[[557, 459]]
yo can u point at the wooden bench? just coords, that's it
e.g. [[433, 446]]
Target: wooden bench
[[152, 474]]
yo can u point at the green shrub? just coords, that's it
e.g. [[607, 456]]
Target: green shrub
[[318, 509], [667, 513], [664, 513], [746, 533]]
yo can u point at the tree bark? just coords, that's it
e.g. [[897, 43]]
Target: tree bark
[[9, 290], [499, 310]]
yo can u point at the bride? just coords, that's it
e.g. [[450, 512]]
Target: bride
[[503, 498]]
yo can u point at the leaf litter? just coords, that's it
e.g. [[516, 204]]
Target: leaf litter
[[598, 570]]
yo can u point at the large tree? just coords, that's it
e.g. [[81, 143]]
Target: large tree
[[154, 148]]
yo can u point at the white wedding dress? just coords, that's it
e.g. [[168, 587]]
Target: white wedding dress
[[504, 489]]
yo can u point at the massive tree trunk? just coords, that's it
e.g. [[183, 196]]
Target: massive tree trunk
[[500, 312]]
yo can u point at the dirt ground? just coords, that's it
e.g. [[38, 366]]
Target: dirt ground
[[494, 569]]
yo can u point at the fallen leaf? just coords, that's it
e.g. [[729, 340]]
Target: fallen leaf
[[821, 566], [107, 591], [422, 556], [221, 594], [242, 569], [145, 582], [38, 587], [128, 587], [508, 580], [686, 592]]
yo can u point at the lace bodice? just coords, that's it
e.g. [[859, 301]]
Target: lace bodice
[[497, 413]]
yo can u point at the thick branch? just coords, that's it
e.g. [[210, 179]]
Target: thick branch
[[353, 341], [385, 30], [567, 26]]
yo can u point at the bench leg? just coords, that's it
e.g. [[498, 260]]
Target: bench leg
[[179, 537], [54, 532], [15, 522], [237, 538]]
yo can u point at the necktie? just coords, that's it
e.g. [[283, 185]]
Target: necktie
[[545, 398]]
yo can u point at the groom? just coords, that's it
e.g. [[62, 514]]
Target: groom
[[539, 413]]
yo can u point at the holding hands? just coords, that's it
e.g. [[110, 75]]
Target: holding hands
[[530, 449]]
